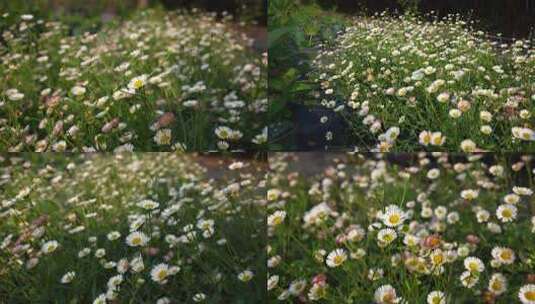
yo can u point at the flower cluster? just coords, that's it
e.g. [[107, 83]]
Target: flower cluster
[[155, 82], [154, 228], [392, 228], [408, 85]]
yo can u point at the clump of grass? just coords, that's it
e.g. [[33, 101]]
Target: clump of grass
[[156, 82], [151, 228], [433, 228]]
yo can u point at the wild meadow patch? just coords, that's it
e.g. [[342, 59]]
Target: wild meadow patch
[[406, 84], [130, 228], [158, 81], [401, 228]]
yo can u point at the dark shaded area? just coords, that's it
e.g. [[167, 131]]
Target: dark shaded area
[[254, 9], [512, 18], [313, 163]]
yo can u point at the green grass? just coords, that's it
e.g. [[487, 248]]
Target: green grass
[[99, 194]]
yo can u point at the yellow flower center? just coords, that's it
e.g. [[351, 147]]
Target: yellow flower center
[[438, 259], [394, 219], [138, 83], [507, 213], [436, 300], [389, 298], [162, 274], [136, 240], [473, 266], [530, 295], [506, 255]]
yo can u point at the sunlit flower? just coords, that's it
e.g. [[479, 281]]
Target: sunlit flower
[[159, 273], [393, 216], [526, 294], [137, 239], [137, 82], [386, 294], [78, 90], [336, 258], [497, 284], [506, 213], [436, 297], [49, 247], [276, 218], [503, 255], [474, 264]]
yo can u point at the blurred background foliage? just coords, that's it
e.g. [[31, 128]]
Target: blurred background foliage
[[512, 18], [82, 15], [296, 29]]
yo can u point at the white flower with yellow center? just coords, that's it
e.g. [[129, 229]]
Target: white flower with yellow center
[[386, 236], [272, 282], [245, 276], [163, 137], [425, 138], [411, 240], [433, 173], [437, 257], [148, 204], [526, 294], [393, 216], [137, 239], [497, 284], [523, 133], [49, 247], [443, 97], [503, 255], [137, 82], [469, 194], [159, 273], [273, 194], [474, 264], [276, 218], [468, 279], [336, 258], [468, 146], [437, 139], [506, 213], [223, 132], [436, 297], [386, 294], [392, 134]]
